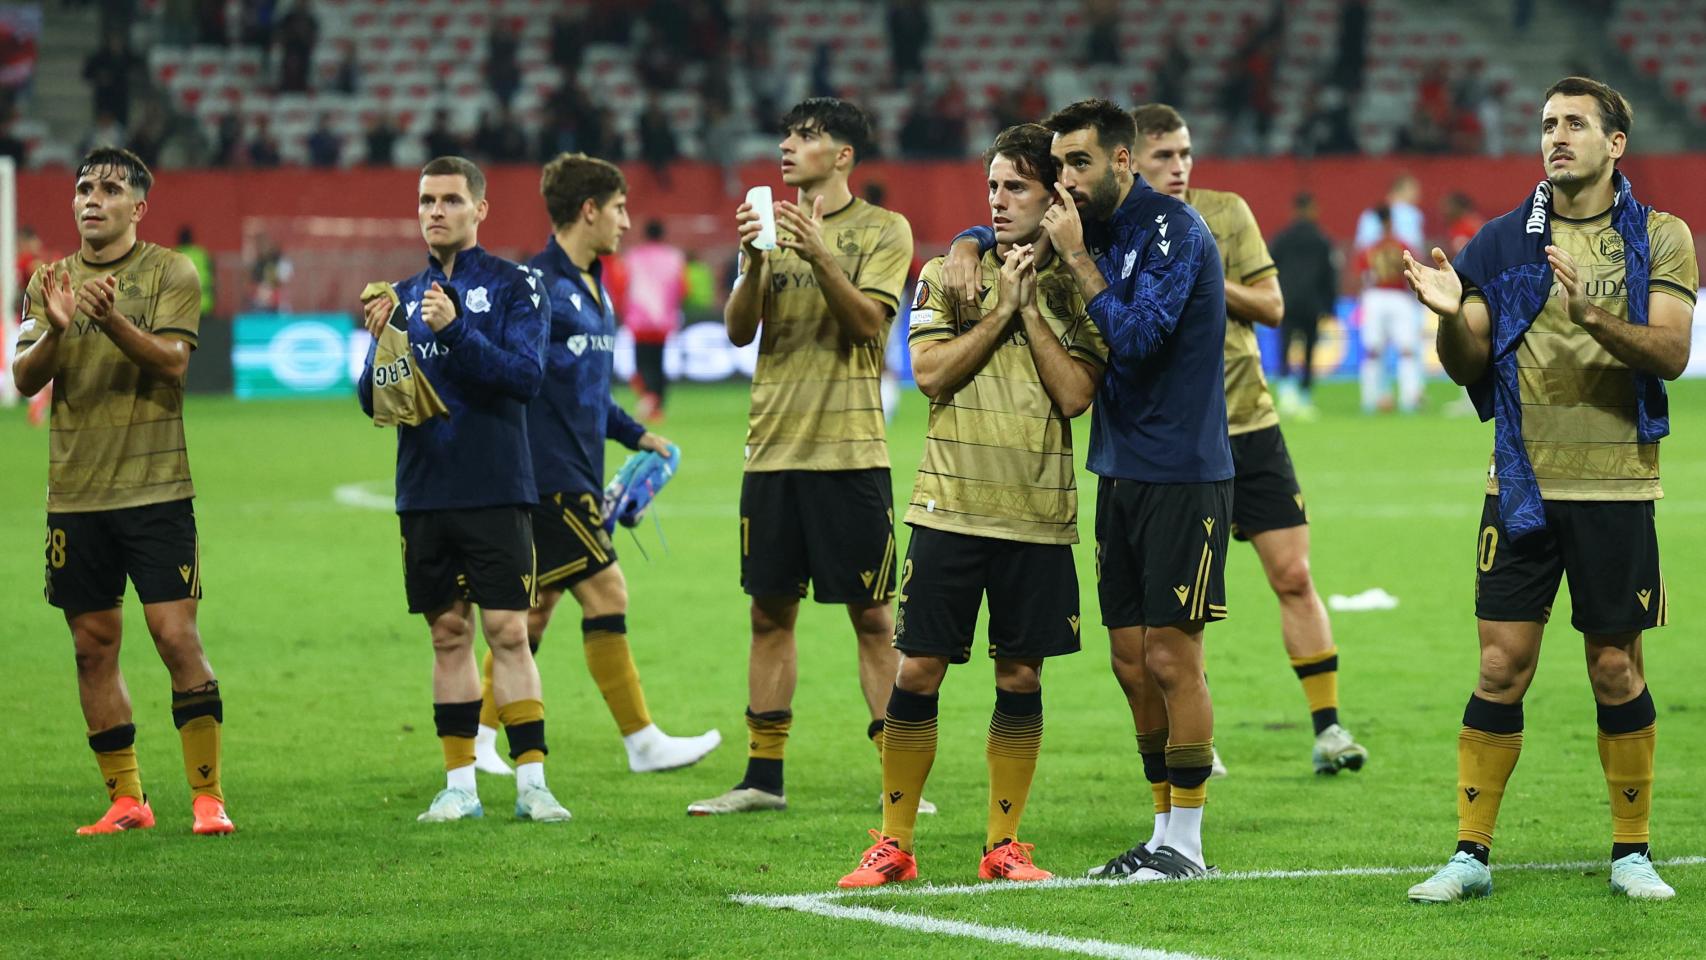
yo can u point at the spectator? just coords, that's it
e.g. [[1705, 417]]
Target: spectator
[[178, 22], [441, 141], [1352, 55], [823, 70], [325, 147], [227, 141], [909, 36], [347, 78], [262, 150], [108, 71], [657, 285], [1170, 75], [269, 274], [107, 132], [657, 138], [500, 139], [257, 23], [381, 139], [297, 34], [210, 23], [150, 134], [503, 68], [1309, 284], [568, 40], [1102, 20], [720, 142], [1326, 128]]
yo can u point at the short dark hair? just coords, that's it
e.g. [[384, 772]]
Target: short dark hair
[[1027, 146], [1383, 213], [571, 179], [1303, 201], [654, 229], [1615, 114], [118, 160], [840, 119], [1113, 126], [458, 167], [1156, 119]]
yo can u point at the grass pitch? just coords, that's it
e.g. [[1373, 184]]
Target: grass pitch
[[330, 751]]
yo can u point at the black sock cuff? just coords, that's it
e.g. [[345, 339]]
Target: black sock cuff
[[1479, 851], [115, 738], [762, 773], [1155, 766], [912, 707], [456, 719], [768, 718], [614, 623], [526, 736], [1320, 666], [876, 727], [1492, 717], [1013, 704], [203, 701], [1187, 777], [1628, 717]]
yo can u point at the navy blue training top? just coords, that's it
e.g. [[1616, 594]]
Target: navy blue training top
[[486, 365], [1160, 413], [568, 422]]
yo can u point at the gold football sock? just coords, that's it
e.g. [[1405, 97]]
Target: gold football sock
[[1015, 737], [488, 705], [1628, 733], [524, 726], [1319, 674], [456, 724], [1488, 747], [612, 666], [909, 749], [198, 714], [1188, 766], [115, 753]]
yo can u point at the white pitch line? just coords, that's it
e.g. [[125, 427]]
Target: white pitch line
[[360, 495], [929, 890], [1011, 936]]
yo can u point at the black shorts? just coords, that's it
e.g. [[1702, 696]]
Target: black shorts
[[569, 538], [1161, 551], [1265, 494], [1033, 597], [1608, 549], [90, 554], [833, 529], [483, 555]]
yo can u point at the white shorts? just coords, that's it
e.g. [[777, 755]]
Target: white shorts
[[1390, 317]]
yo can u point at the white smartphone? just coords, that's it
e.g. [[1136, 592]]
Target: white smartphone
[[760, 200]]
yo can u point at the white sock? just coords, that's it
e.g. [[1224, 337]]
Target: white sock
[[1184, 832], [485, 735], [1160, 835], [527, 775], [1371, 377], [462, 778], [640, 739], [1409, 381]]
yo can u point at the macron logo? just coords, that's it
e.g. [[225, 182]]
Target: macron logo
[[413, 306], [575, 299], [1163, 230], [1165, 245], [1130, 262]]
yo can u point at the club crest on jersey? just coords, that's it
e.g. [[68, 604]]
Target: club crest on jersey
[[1611, 246], [477, 301], [1130, 262], [577, 344]]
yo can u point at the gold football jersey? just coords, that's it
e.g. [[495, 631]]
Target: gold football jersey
[[117, 432], [998, 454], [1578, 401], [1244, 255], [816, 393]]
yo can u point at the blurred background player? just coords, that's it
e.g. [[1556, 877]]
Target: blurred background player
[[1390, 317], [465, 486], [1564, 336], [817, 503], [112, 328], [1267, 503], [567, 424], [657, 286], [1461, 222], [1309, 284], [996, 517], [1406, 221]]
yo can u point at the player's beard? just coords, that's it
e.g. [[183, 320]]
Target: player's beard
[[1104, 197]]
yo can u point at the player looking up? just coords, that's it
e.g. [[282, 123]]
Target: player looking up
[[111, 328], [1563, 317], [817, 504], [476, 328], [994, 508]]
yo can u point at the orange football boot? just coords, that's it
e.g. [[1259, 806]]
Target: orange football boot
[[126, 813], [1011, 861], [210, 816], [884, 862]]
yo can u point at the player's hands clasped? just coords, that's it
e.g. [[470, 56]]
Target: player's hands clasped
[[1439, 288], [1065, 228], [59, 301], [437, 309], [1564, 268], [1016, 267], [807, 231], [95, 298]]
